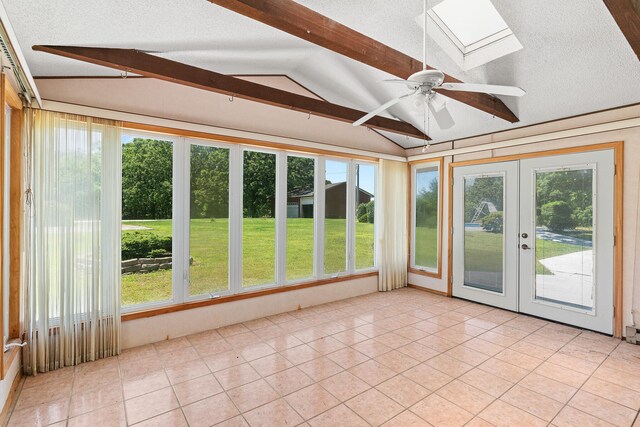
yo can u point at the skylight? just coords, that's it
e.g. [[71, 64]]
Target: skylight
[[471, 32]]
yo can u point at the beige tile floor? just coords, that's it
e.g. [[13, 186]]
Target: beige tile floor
[[403, 358]]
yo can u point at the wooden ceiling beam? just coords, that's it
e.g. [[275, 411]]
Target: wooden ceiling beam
[[305, 23], [142, 63], [627, 15]]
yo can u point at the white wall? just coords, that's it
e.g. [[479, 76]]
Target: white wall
[[631, 138], [155, 98], [7, 382], [171, 325]]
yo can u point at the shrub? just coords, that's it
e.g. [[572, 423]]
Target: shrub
[[371, 208], [557, 216], [493, 223], [361, 212], [144, 245], [366, 212]]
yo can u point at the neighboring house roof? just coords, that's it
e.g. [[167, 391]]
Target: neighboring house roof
[[298, 192]]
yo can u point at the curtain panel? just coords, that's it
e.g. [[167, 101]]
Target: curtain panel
[[392, 220], [71, 288]]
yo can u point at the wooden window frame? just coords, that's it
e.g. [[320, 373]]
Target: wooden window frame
[[282, 151], [10, 97], [618, 150], [411, 204]]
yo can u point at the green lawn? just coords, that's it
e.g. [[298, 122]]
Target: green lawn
[[484, 251], [209, 243], [426, 247]]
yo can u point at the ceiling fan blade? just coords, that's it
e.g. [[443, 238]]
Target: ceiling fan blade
[[381, 109], [482, 88], [442, 116]]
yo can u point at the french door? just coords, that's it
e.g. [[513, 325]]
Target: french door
[[537, 236]]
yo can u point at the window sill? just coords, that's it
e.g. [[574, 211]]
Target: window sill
[[244, 295], [427, 273]]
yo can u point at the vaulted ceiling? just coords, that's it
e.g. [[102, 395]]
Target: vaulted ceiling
[[575, 59]]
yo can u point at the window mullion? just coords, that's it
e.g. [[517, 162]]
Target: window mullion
[[281, 218], [235, 219], [351, 216], [180, 214], [318, 217]]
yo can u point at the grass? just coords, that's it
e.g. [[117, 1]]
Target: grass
[[484, 251], [208, 246], [426, 247]]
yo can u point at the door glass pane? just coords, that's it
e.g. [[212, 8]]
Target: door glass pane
[[300, 202], [426, 226], [209, 220], [365, 218], [483, 232], [147, 182], [335, 224], [258, 220], [564, 236]]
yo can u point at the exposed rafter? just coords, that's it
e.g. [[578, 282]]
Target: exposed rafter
[[302, 22], [138, 62], [627, 15]]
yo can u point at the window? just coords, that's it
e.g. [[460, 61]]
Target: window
[[208, 220], [472, 33], [259, 219], [365, 215], [147, 220], [335, 214], [201, 219], [425, 217], [300, 217]]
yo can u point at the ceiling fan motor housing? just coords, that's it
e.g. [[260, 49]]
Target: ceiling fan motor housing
[[429, 78]]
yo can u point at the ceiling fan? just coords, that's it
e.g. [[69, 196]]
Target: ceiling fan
[[424, 86]]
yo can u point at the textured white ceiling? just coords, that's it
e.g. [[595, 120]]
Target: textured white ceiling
[[575, 59]]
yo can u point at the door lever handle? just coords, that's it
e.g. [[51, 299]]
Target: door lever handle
[[524, 246]]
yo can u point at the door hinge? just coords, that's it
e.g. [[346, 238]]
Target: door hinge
[[615, 240]]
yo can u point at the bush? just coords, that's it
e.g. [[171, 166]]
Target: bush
[[557, 216], [361, 212], [493, 223], [144, 245], [371, 208], [366, 212]]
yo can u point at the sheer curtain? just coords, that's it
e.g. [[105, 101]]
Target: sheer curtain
[[72, 240], [392, 220]]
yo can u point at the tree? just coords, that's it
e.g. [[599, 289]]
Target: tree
[[147, 179], [557, 216], [259, 184], [574, 188], [476, 190], [493, 223], [209, 182], [427, 205], [300, 173]]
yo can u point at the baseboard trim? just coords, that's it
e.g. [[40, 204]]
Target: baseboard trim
[[11, 398], [432, 291]]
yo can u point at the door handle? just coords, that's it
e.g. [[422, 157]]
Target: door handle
[[525, 246]]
